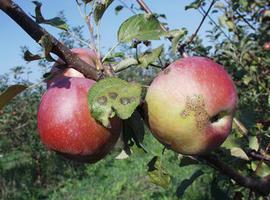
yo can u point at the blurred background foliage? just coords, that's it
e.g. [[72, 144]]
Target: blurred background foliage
[[237, 40]]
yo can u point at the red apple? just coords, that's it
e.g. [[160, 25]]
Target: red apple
[[87, 55], [190, 105], [65, 124]]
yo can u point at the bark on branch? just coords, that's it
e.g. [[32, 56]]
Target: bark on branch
[[259, 185], [36, 32]]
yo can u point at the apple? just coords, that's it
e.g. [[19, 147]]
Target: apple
[[87, 55], [190, 105], [66, 126]]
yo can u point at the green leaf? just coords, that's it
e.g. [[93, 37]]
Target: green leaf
[[100, 8], [150, 57], [177, 36], [123, 64], [253, 143], [194, 5], [112, 96], [187, 160], [239, 153], [133, 133], [261, 169], [47, 45], [117, 9], [55, 22], [157, 174], [141, 27], [11, 92], [187, 183], [28, 56]]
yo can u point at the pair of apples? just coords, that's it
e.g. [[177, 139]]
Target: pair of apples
[[189, 108]]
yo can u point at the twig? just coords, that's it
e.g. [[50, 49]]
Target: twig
[[261, 186], [259, 156], [241, 127], [203, 12], [110, 51], [37, 32], [243, 18], [182, 47], [126, 6]]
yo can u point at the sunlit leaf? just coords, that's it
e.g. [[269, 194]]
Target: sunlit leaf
[[239, 153], [123, 64], [150, 57], [177, 35], [140, 27], [254, 143]]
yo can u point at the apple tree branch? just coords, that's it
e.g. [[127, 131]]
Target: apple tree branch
[[36, 32]]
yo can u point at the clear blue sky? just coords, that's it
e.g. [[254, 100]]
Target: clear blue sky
[[12, 37]]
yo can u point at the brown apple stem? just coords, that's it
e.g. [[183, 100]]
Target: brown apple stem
[[261, 185], [36, 32]]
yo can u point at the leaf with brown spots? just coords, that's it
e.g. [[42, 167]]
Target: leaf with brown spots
[[113, 96]]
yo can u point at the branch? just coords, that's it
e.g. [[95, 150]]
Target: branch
[[261, 156], [36, 32], [261, 186]]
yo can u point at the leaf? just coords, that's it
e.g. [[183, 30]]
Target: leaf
[[188, 160], [260, 168], [112, 96], [177, 35], [157, 174], [150, 57], [28, 56], [239, 153], [55, 22], [141, 27], [133, 132], [122, 155], [253, 143], [194, 5], [11, 92], [46, 43], [186, 183], [100, 8], [117, 9], [123, 64]]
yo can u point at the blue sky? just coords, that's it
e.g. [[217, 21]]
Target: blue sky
[[13, 37]]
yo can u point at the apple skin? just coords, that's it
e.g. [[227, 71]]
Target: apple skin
[[65, 124], [87, 55], [190, 105]]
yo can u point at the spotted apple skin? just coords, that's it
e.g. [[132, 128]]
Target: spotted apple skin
[[190, 105], [66, 126]]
